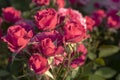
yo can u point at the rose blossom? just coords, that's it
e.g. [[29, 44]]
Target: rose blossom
[[10, 14], [80, 60], [74, 32], [17, 38], [60, 3], [89, 22], [48, 48], [59, 58], [47, 43], [71, 14], [38, 63], [53, 35], [113, 20], [41, 2], [46, 19], [98, 16]]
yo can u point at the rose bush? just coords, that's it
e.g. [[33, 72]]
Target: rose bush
[[59, 40]]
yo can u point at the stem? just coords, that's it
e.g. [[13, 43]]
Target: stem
[[23, 76], [65, 75]]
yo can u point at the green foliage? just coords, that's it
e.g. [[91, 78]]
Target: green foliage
[[105, 72], [96, 77], [108, 50], [3, 73]]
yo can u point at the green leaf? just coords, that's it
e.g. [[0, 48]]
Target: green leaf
[[21, 4], [91, 56], [3, 73], [87, 69], [108, 50], [100, 61], [105, 72], [68, 78], [95, 77]]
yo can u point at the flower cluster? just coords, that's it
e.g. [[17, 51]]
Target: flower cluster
[[54, 37]]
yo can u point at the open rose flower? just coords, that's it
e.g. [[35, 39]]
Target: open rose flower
[[98, 16], [17, 38], [60, 3], [113, 20], [80, 60], [38, 63], [74, 32], [54, 36], [10, 14], [48, 48], [59, 58], [41, 2], [46, 19], [89, 22], [70, 14]]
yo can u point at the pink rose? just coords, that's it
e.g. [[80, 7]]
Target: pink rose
[[10, 14], [74, 32], [60, 3], [46, 19], [17, 38], [38, 63], [80, 60], [41, 2], [48, 48], [53, 35], [113, 20], [70, 14], [59, 58], [89, 22], [98, 16]]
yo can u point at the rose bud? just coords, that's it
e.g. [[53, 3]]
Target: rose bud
[[10, 14]]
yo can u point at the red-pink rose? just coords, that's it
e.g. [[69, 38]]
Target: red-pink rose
[[60, 3], [17, 38], [48, 48], [38, 63], [41, 2], [53, 35], [70, 14], [10, 14], [80, 60], [59, 58], [113, 20], [89, 22], [46, 19], [98, 16], [74, 32]]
